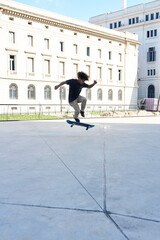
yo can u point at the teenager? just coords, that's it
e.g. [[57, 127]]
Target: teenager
[[75, 87]]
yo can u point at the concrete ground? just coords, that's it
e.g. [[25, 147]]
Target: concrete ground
[[62, 183]]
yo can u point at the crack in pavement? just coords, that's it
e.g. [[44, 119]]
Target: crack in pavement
[[104, 208]]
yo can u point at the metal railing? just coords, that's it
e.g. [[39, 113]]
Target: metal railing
[[65, 110]]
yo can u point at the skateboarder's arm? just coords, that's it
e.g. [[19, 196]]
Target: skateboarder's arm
[[59, 85], [92, 85]]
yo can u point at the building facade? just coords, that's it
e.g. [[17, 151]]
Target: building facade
[[40, 49], [144, 20]]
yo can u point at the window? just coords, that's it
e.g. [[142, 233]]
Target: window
[[120, 95], [130, 21], [88, 94], [88, 51], [115, 25], [31, 92], [13, 91], [12, 37], [46, 43], [120, 57], [151, 72], [30, 65], [109, 55], [12, 64], [47, 67], [99, 73], [151, 91], [75, 70], [47, 93], [99, 53], [119, 74], [151, 55], [11, 18], [88, 70], [75, 49], [99, 94], [152, 33], [110, 95], [133, 20], [157, 15], [30, 41], [62, 46], [111, 26], [119, 24], [110, 74], [137, 19], [62, 93], [147, 17], [155, 32], [152, 16], [62, 68]]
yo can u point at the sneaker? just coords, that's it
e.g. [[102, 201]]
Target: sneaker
[[77, 120], [82, 113]]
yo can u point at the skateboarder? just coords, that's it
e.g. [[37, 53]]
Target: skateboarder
[[75, 87]]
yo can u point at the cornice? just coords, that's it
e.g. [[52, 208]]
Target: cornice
[[75, 59], [46, 55], [11, 49], [66, 25], [62, 57], [99, 63], [30, 52]]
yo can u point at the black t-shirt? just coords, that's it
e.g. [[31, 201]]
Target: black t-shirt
[[74, 89]]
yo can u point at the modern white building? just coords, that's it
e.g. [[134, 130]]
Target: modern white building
[[144, 20], [39, 48]]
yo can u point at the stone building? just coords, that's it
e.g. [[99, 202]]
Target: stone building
[[143, 20], [39, 49]]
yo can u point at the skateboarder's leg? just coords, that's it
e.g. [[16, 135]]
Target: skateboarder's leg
[[74, 104], [83, 102]]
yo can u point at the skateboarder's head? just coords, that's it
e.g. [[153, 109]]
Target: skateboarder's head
[[82, 77]]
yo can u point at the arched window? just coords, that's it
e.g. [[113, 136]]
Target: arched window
[[151, 91], [13, 91], [47, 93], [88, 94], [120, 95], [62, 93], [99, 94], [110, 95], [31, 92]]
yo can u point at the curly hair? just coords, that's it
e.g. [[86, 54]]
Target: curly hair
[[82, 75]]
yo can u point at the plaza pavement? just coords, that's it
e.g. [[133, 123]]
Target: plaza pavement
[[62, 183]]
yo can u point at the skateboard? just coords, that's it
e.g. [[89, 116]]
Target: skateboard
[[86, 125]]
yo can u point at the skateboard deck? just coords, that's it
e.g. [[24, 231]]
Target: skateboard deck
[[86, 125]]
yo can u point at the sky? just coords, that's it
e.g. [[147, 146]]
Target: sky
[[80, 9]]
